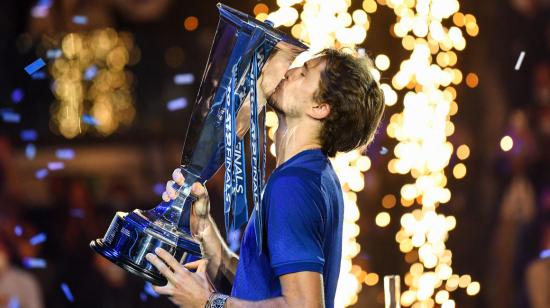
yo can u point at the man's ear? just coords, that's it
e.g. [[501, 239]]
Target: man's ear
[[320, 111]]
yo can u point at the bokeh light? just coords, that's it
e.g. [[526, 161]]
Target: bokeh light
[[427, 78], [463, 152], [91, 85], [191, 23], [383, 219], [506, 143]]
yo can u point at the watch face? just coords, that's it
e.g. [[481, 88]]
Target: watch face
[[219, 302]]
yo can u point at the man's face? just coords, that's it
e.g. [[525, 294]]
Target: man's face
[[294, 95]]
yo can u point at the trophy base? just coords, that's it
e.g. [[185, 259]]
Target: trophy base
[[111, 255], [131, 237]]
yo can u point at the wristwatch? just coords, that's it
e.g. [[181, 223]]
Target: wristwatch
[[216, 300]]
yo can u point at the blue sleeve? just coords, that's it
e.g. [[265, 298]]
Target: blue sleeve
[[294, 226]]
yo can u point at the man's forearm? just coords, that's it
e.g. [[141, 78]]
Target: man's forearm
[[222, 261], [276, 302]]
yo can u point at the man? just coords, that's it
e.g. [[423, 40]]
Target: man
[[331, 103]]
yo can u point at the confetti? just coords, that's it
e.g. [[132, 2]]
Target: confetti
[[77, 213], [149, 290], [38, 239], [34, 263], [41, 9], [158, 189], [142, 296], [14, 302], [184, 79], [56, 165], [80, 20], [65, 154], [17, 95], [42, 173], [67, 292], [38, 76], [88, 119], [90, 72], [520, 60], [11, 117], [383, 151], [29, 135], [18, 230], [30, 151], [53, 53], [176, 104], [35, 66], [545, 254]]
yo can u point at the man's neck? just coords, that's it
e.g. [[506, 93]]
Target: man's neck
[[294, 136]]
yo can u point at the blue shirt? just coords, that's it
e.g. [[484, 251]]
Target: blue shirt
[[303, 216]]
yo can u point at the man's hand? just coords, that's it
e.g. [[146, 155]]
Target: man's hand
[[201, 207], [221, 260], [184, 288]]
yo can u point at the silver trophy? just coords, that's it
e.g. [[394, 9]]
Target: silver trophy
[[241, 47]]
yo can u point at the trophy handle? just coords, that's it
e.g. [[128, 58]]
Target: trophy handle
[[179, 209]]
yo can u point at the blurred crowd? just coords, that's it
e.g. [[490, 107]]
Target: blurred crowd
[[43, 248]]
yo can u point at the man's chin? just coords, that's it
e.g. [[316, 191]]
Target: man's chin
[[271, 102]]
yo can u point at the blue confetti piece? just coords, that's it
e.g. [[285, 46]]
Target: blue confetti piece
[[88, 119], [42, 173], [38, 239], [35, 66], [383, 151], [41, 9], [11, 117], [545, 254], [53, 53], [182, 79], [90, 72], [65, 154], [80, 20], [34, 263], [29, 135], [159, 189], [67, 292], [38, 75], [56, 165], [30, 151], [149, 290], [176, 104], [142, 296], [13, 303], [17, 95], [18, 230], [77, 213]]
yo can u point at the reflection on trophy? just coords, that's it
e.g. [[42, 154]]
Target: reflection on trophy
[[241, 47]]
